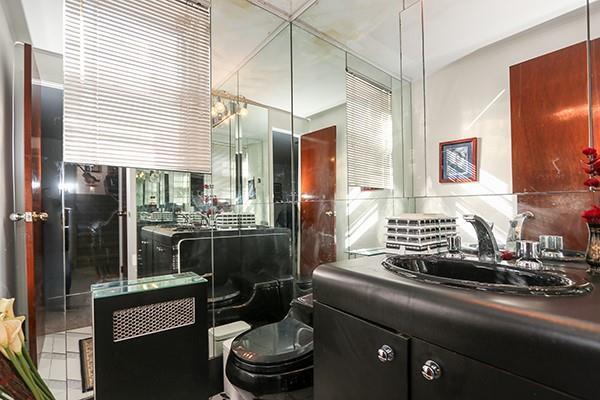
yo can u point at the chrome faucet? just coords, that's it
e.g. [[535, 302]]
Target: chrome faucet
[[487, 248], [515, 231]]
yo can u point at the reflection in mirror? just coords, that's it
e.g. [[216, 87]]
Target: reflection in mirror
[[351, 145], [517, 84]]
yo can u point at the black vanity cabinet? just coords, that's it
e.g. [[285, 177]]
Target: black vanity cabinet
[[439, 374], [357, 360]]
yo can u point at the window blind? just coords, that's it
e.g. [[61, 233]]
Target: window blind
[[369, 134], [137, 84]]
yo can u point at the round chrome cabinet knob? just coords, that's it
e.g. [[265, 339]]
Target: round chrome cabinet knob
[[385, 353], [431, 370]]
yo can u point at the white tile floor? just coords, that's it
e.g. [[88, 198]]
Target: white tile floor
[[59, 363]]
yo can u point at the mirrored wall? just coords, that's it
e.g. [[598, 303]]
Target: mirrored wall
[[326, 119]]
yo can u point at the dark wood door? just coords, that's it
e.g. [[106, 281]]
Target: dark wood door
[[28, 213], [317, 199]]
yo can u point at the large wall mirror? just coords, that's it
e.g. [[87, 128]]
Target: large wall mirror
[[500, 111]]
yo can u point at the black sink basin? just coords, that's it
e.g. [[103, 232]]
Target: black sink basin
[[488, 277]]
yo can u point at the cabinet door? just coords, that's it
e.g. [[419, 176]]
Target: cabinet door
[[162, 258], [347, 364], [465, 379]]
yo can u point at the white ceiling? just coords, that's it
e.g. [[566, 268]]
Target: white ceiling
[[369, 29], [454, 29]]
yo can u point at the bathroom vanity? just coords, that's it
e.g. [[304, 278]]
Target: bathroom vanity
[[380, 334]]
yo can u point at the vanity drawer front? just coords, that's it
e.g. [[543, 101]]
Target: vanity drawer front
[[346, 359], [465, 379]]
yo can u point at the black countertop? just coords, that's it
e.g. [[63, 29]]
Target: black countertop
[[551, 340]]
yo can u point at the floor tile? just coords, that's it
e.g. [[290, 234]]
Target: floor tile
[[73, 367], [59, 345], [44, 365], [58, 369], [48, 343]]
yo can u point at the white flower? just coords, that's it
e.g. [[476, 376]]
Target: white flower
[[11, 335], [6, 309], [3, 339]]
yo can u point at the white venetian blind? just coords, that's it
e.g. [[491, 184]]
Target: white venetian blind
[[137, 84], [369, 134]]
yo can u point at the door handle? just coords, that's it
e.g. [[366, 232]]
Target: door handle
[[29, 216], [329, 213]]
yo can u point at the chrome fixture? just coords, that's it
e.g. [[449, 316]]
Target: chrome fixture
[[551, 246], [226, 105], [385, 353], [515, 231], [29, 216], [528, 253], [487, 248], [454, 246], [431, 370]]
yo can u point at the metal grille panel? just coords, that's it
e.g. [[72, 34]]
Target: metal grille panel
[[149, 319]]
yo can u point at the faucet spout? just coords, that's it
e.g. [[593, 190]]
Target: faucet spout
[[515, 231], [487, 245]]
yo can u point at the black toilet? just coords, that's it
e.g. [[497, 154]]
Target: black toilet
[[275, 361]]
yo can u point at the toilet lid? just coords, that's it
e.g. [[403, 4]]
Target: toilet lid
[[276, 343]]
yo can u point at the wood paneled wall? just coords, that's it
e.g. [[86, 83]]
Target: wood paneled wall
[[550, 126]]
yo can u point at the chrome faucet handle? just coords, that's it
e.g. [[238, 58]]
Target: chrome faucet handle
[[454, 243], [454, 246], [528, 254], [551, 246]]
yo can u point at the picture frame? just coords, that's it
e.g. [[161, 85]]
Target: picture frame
[[458, 161], [251, 189]]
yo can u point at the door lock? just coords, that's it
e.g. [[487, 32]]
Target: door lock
[[29, 216]]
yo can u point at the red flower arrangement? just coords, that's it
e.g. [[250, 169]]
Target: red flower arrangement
[[592, 168]]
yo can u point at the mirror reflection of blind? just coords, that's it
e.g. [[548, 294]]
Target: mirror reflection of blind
[[222, 179], [137, 84], [369, 134]]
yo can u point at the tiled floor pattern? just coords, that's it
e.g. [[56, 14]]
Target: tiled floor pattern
[[59, 364]]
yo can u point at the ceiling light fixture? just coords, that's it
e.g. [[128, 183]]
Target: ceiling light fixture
[[244, 110], [219, 106]]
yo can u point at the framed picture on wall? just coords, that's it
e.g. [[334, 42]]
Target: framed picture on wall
[[458, 161], [251, 189]]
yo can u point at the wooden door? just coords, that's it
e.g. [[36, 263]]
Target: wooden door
[[28, 214], [317, 199]]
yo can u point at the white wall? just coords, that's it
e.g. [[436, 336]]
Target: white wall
[[471, 98], [6, 188]]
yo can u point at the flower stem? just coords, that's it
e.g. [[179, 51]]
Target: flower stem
[[14, 359], [26, 359]]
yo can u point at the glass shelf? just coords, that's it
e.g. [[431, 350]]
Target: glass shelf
[[117, 288]]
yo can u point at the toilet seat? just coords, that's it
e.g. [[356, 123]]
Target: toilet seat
[[223, 294], [272, 358]]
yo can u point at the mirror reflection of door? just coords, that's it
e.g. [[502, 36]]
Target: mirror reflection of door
[[317, 201]]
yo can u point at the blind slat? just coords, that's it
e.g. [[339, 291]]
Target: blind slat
[[369, 134], [137, 84]]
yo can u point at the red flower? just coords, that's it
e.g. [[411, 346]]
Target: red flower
[[590, 151], [592, 182], [592, 215], [588, 171]]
